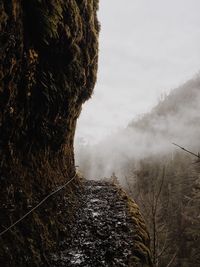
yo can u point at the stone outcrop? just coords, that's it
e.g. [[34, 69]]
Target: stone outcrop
[[49, 52]]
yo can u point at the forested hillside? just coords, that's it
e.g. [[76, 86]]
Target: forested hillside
[[166, 184], [163, 179], [168, 192], [175, 119]]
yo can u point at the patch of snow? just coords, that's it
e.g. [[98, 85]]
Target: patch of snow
[[94, 200], [95, 214], [77, 257], [96, 187]]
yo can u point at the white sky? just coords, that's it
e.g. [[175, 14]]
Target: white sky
[[146, 48]]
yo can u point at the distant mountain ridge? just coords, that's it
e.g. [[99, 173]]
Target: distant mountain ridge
[[176, 102]]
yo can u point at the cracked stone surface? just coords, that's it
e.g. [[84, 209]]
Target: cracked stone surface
[[103, 234]]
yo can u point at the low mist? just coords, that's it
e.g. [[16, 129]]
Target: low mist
[[175, 119]]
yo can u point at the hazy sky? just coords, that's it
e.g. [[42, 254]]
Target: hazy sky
[[146, 48]]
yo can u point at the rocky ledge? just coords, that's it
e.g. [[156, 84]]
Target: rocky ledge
[[106, 232]]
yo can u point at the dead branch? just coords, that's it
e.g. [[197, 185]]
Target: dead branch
[[196, 155]]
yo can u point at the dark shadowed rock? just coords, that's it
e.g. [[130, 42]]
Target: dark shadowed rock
[[108, 231], [49, 53]]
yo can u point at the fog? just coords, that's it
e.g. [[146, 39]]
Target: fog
[[147, 48], [174, 119]]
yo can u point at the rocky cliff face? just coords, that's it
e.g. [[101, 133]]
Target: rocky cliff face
[[49, 64], [49, 69]]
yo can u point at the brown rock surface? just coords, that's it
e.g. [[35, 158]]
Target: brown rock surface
[[49, 53]]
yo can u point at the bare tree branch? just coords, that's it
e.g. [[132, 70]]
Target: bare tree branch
[[196, 155]]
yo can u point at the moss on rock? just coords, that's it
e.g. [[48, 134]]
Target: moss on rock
[[142, 253], [49, 64]]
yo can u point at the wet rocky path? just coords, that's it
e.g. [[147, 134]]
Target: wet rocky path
[[104, 232]]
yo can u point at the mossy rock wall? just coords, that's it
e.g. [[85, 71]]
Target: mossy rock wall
[[49, 69], [49, 63]]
